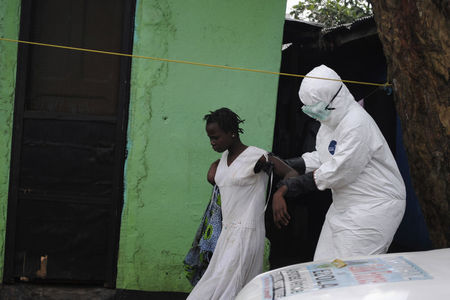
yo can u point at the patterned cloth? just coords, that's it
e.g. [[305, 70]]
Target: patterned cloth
[[199, 256]]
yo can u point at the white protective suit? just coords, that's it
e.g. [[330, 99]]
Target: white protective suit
[[353, 159]]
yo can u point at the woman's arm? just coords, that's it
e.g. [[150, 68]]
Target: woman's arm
[[279, 167], [282, 170], [212, 172], [279, 206]]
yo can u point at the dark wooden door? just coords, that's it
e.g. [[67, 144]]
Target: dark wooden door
[[69, 142]]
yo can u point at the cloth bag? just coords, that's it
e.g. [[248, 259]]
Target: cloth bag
[[199, 256]]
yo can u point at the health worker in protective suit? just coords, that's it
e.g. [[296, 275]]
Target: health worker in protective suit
[[353, 159]]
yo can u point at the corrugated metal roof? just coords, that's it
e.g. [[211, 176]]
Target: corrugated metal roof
[[289, 18], [357, 22], [305, 32], [300, 31]]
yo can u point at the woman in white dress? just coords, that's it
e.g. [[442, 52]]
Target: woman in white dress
[[238, 256]]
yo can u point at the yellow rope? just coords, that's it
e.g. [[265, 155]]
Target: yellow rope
[[188, 62]]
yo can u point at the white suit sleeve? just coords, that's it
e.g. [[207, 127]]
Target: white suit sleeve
[[354, 149], [312, 161]]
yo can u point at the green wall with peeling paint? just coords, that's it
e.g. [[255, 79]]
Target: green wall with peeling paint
[[169, 153], [9, 28]]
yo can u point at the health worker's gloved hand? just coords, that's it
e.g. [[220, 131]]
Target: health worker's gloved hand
[[297, 163], [299, 185], [266, 166]]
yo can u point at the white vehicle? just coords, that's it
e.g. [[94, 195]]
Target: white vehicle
[[394, 276]]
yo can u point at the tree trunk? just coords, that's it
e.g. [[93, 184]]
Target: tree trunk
[[415, 37]]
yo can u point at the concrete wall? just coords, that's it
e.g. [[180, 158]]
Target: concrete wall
[[169, 153], [9, 28]]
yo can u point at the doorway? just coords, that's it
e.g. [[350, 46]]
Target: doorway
[[69, 137]]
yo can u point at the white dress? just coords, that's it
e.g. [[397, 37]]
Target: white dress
[[239, 252]]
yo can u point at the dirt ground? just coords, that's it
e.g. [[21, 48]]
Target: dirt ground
[[21, 291]]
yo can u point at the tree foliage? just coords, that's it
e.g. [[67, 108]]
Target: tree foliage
[[332, 13]]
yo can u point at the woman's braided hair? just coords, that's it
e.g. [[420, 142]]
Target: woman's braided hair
[[227, 120]]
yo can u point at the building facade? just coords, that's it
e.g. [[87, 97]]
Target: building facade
[[109, 187]]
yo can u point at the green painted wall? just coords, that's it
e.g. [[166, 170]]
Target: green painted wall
[[169, 153], [9, 28]]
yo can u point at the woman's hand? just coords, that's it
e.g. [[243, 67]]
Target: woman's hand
[[281, 216], [212, 172]]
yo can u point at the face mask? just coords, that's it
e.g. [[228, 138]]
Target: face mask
[[317, 111], [320, 111]]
